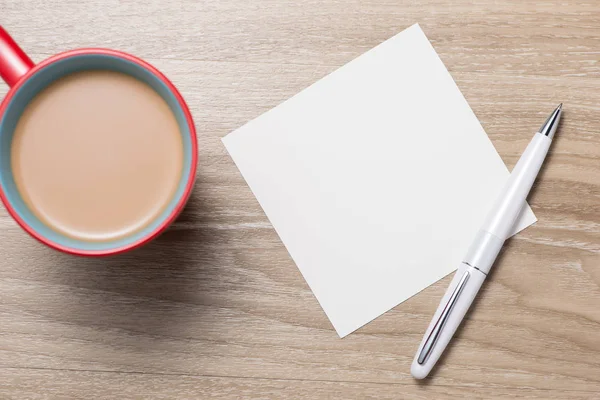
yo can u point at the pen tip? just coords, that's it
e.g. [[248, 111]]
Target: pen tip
[[551, 123]]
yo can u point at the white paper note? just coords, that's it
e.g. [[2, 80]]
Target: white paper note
[[376, 178]]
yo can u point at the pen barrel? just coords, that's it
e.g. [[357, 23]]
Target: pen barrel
[[507, 208], [483, 251], [454, 305]]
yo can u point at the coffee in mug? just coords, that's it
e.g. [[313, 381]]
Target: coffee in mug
[[97, 155], [98, 149]]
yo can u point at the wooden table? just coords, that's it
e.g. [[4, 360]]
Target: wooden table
[[215, 308]]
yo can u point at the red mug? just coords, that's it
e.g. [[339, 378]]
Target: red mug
[[27, 79]]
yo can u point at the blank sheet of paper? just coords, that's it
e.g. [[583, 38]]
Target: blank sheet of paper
[[376, 178]]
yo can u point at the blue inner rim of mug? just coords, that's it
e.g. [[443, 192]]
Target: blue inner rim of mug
[[38, 82]]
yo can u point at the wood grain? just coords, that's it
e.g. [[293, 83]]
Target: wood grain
[[215, 308]]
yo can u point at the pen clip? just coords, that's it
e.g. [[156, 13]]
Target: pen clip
[[439, 325]]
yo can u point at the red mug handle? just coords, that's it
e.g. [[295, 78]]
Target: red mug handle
[[14, 63]]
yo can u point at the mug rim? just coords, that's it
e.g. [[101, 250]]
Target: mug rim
[[181, 202]]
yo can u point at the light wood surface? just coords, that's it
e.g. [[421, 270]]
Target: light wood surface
[[215, 308]]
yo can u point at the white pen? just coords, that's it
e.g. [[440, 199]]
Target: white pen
[[483, 251]]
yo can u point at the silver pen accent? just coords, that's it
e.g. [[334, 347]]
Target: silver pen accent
[[439, 325]]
